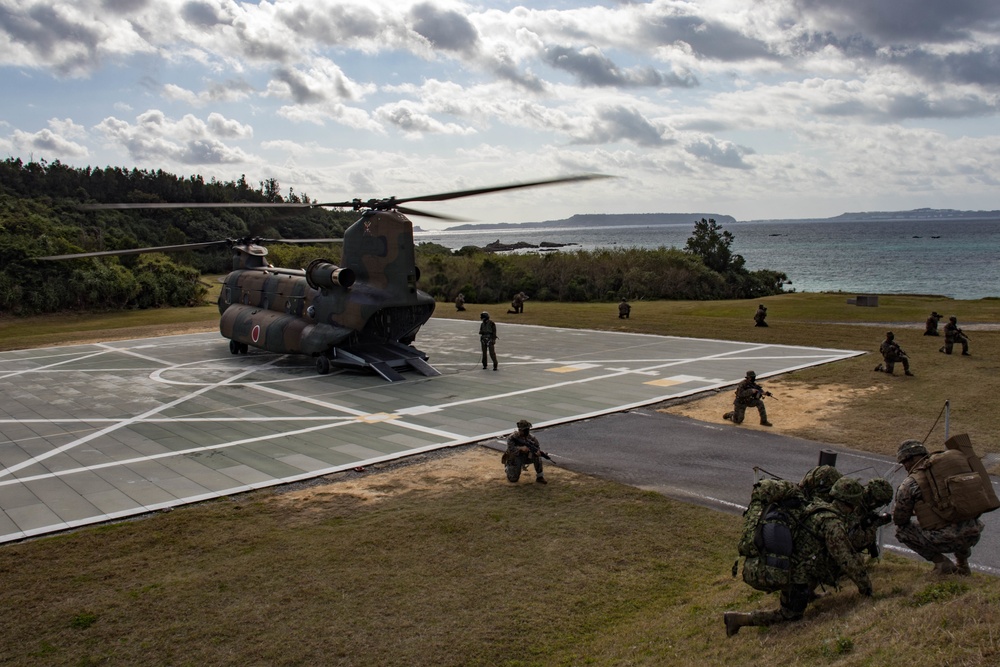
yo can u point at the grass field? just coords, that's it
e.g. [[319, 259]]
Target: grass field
[[439, 561]]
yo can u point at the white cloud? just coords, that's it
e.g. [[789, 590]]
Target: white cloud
[[188, 141], [49, 145]]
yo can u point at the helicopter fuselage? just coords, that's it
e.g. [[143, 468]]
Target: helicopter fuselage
[[371, 300]]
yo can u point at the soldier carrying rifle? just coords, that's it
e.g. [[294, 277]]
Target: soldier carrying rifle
[[749, 394]]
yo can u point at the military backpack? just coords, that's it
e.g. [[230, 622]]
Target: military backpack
[[768, 539], [954, 486]]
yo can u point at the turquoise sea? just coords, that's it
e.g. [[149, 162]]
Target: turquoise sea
[[955, 258]]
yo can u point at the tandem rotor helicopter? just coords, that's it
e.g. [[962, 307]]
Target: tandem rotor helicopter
[[362, 315]]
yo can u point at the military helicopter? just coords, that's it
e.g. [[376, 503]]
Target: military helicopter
[[363, 315]]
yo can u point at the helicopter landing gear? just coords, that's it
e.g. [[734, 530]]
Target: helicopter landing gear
[[238, 348], [322, 364]]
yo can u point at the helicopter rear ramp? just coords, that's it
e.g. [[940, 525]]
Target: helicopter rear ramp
[[91, 433]]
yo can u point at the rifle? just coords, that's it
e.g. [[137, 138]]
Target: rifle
[[537, 451], [532, 447], [762, 392]]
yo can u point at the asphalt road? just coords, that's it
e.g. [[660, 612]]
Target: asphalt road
[[714, 464]]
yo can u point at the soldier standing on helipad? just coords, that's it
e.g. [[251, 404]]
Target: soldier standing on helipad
[[488, 338], [749, 394]]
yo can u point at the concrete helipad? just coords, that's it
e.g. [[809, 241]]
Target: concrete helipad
[[96, 432]]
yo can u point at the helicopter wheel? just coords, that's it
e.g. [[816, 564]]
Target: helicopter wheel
[[244, 348], [234, 347], [322, 365]]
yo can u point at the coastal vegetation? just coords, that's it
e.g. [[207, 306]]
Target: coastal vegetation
[[40, 215]]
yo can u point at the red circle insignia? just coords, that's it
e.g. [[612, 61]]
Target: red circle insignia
[[255, 333]]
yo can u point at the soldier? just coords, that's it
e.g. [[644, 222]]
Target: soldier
[[517, 303], [877, 494], [460, 302], [891, 353], [488, 338], [822, 554], [957, 538], [952, 335], [522, 449], [760, 316], [816, 483], [624, 309], [932, 324], [749, 394]]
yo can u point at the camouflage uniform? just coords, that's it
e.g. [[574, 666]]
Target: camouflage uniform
[[460, 302], [823, 554], [522, 449], [932, 544], [748, 395], [517, 303], [624, 309], [864, 533], [816, 483], [488, 338], [931, 328], [760, 316], [892, 353], [952, 335], [956, 538]]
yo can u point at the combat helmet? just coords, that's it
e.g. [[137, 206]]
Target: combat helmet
[[848, 491], [889, 335], [878, 492], [523, 425], [751, 375], [908, 449], [484, 315], [819, 481]]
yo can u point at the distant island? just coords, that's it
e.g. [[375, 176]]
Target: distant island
[[650, 219]]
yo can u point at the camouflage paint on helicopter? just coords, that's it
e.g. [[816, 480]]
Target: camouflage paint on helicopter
[[371, 305]]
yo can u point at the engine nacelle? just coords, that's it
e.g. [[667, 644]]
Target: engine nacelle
[[323, 274]]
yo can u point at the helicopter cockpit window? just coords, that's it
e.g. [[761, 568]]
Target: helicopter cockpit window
[[228, 294]]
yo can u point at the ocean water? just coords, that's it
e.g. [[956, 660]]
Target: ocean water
[[956, 258]]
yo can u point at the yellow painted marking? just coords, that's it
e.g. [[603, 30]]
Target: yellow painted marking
[[665, 382], [573, 368], [377, 417]]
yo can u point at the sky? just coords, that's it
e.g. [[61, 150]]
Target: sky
[[759, 109]]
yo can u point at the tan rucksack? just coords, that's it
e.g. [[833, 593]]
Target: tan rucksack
[[954, 484]]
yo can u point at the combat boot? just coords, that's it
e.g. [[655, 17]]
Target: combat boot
[[766, 423], [728, 415], [735, 620], [909, 373], [943, 566], [962, 566]]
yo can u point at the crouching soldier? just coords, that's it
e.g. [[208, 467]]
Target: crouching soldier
[[822, 553], [749, 394], [522, 449]]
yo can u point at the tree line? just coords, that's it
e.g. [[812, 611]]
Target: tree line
[[40, 216]]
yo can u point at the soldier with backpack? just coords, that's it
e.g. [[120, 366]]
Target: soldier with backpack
[[819, 552], [933, 514]]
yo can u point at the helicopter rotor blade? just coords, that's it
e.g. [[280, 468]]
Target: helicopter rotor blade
[[439, 216], [102, 207], [304, 241], [136, 251], [444, 196]]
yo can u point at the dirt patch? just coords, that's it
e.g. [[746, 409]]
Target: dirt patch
[[434, 473], [795, 408]]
